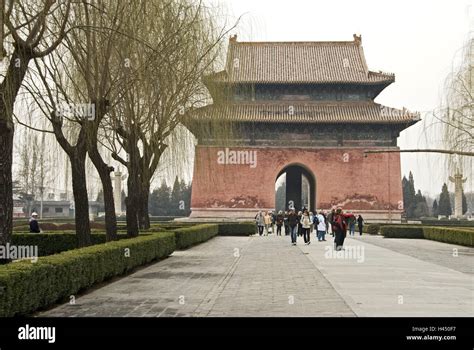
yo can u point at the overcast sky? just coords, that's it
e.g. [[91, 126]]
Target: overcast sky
[[415, 39]]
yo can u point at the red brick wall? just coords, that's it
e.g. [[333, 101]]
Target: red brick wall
[[360, 183]]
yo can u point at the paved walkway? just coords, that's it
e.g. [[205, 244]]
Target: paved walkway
[[266, 276]]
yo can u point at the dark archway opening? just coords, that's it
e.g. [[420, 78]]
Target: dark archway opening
[[295, 187]]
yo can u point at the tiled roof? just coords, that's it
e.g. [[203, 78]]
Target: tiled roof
[[298, 62], [303, 112]]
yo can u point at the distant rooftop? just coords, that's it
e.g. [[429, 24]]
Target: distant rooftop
[[315, 62]]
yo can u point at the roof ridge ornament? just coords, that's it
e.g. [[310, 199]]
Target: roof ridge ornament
[[233, 38], [357, 38]]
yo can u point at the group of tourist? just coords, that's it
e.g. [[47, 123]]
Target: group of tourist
[[304, 222]]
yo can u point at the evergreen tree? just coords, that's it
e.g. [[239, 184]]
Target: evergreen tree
[[421, 207], [435, 208], [176, 198], [280, 198], [444, 205], [186, 190], [409, 201], [464, 203], [160, 201]]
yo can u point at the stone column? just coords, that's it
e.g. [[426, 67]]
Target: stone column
[[458, 181], [118, 192]]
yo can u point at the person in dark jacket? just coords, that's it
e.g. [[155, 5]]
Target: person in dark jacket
[[360, 222], [293, 223], [34, 226], [285, 221], [279, 222]]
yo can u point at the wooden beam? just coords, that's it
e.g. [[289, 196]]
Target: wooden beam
[[444, 151]]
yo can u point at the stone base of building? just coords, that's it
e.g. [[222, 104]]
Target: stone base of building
[[241, 214]]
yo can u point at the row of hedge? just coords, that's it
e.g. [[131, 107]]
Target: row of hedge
[[26, 287], [237, 229], [186, 235], [54, 243], [457, 223], [189, 236], [402, 231], [57, 242], [442, 234]]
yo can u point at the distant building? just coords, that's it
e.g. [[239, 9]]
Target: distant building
[[18, 207], [53, 209]]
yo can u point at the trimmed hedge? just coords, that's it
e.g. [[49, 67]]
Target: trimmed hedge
[[26, 287], [402, 231], [373, 229], [54, 243], [456, 223], [189, 236], [237, 229], [461, 236], [450, 235], [49, 226]]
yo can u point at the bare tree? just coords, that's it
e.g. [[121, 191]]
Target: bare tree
[[456, 113], [80, 74], [179, 43], [29, 35]]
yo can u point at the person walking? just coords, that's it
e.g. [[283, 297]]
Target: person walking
[[293, 224], [285, 221], [331, 216], [268, 223], [340, 227], [351, 222], [360, 223], [279, 222], [34, 226], [260, 220], [300, 231], [306, 227], [311, 219], [320, 226]]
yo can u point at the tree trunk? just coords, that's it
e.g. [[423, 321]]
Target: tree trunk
[[81, 201], [132, 206], [104, 173], [6, 188], [8, 91], [143, 212]]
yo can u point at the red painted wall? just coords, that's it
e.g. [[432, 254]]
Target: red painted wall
[[359, 183]]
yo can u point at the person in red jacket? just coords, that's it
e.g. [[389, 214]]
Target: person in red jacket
[[340, 226]]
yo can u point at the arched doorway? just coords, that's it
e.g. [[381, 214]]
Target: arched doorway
[[295, 186]]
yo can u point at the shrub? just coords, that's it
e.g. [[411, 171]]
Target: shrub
[[53, 243], [450, 235], [402, 231], [237, 229], [21, 228], [456, 223], [373, 229], [189, 236], [26, 287]]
